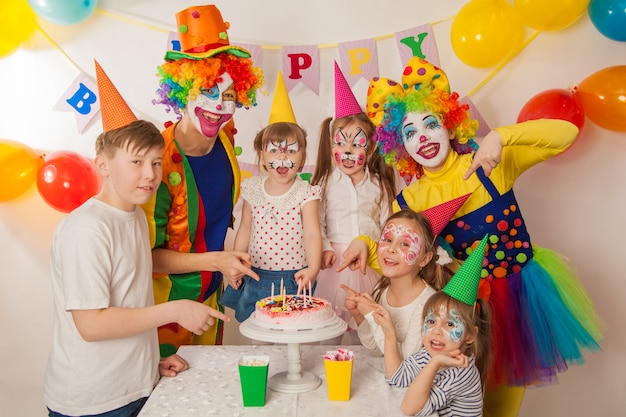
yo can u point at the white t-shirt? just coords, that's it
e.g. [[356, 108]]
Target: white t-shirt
[[406, 319], [100, 258], [276, 238]]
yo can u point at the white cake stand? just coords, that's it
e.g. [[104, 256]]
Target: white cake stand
[[294, 380]]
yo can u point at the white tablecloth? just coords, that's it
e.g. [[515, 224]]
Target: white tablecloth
[[211, 386]]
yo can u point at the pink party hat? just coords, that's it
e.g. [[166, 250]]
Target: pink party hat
[[464, 283], [345, 102], [115, 112], [439, 216]]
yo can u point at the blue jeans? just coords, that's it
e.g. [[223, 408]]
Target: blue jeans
[[129, 410], [244, 299]]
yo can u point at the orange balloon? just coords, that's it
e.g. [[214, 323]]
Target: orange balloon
[[18, 169], [485, 32], [603, 97]]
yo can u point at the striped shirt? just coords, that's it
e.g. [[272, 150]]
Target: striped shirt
[[456, 392]]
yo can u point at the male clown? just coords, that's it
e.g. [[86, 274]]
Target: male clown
[[192, 210]]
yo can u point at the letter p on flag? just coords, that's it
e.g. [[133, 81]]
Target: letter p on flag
[[81, 99]]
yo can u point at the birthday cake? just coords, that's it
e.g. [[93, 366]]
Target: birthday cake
[[293, 310]]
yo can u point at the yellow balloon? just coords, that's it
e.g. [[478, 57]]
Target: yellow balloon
[[485, 32], [550, 14], [18, 169], [17, 23]]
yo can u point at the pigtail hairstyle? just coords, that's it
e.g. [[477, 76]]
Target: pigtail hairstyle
[[376, 165]]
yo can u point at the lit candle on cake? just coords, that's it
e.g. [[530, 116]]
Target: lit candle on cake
[[310, 301], [281, 286], [272, 299]]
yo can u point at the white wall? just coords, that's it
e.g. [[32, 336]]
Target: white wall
[[572, 204]]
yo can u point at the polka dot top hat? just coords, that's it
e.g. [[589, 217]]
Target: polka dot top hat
[[202, 33]]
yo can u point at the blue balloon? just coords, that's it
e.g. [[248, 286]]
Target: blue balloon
[[63, 12], [609, 17]]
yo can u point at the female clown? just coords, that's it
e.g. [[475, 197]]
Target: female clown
[[543, 320]]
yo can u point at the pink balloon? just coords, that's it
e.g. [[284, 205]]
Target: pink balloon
[[66, 180], [553, 104]]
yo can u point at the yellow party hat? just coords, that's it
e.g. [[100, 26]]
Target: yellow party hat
[[281, 105]]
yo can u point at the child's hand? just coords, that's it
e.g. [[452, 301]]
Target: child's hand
[[451, 359], [328, 258], [358, 303], [172, 365], [303, 278], [355, 257], [383, 318], [197, 317]]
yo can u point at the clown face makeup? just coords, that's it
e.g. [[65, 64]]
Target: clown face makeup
[[426, 140], [349, 148], [442, 332], [214, 107], [282, 159]]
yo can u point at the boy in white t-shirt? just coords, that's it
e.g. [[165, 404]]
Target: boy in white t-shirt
[[105, 353]]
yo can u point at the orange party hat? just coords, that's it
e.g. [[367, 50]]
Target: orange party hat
[[115, 112]]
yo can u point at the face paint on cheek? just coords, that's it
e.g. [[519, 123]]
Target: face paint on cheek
[[361, 160], [415, 246], [430, 318], [456, 332], [337, 157]]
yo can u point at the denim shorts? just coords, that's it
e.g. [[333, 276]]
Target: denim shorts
[[129, 410], [244, 299]]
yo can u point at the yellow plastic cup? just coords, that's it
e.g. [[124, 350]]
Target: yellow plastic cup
[[253, 376], [338, 379]]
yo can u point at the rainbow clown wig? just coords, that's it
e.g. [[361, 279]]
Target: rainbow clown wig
[[184, 78], [424, 88]]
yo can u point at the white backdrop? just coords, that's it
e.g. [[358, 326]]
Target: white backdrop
[[572, 203]]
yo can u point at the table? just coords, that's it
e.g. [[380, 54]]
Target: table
[[211, 386]]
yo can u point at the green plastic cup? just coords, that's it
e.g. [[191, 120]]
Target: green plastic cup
[[253, 376]]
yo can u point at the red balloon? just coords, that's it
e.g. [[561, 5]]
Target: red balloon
[[66, 180], [553, 104]]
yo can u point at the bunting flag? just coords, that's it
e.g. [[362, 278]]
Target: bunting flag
[[80, 98], [301, 64], [255, 52], [418, 41], [359, 59]]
